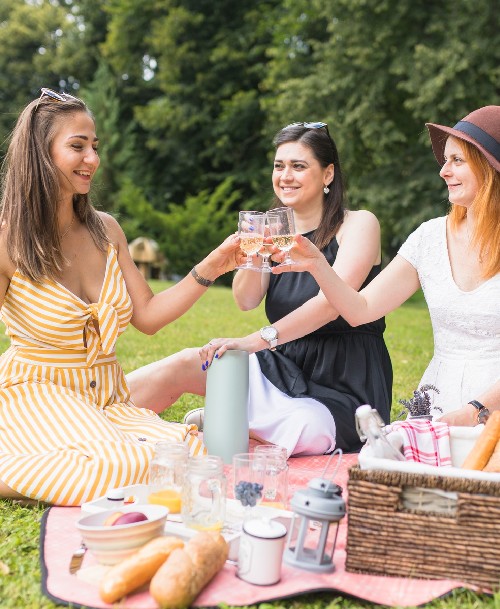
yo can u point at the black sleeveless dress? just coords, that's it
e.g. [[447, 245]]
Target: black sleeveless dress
[[340, 366]]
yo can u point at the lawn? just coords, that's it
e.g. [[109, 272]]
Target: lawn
[[409, 339]]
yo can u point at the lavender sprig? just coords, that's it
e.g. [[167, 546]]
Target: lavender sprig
[[420, 403]]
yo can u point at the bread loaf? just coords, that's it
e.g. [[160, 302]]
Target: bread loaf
[[137, 569], [186, 572], [493, 464], [485, 444]]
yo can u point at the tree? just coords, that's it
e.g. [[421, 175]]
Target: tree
[[188, 93], [31, 37], [199, 64], [185, 233], [45, 44], [194, 229], [386, 68]]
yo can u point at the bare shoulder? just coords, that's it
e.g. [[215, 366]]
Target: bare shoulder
[[361, 220], [109, 221], [361, 217], [113, 229]]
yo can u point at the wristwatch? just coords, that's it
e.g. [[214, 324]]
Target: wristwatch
[[270, 335], [482, 412]]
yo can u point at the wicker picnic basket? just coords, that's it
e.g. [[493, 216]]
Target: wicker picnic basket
[[424, 526]]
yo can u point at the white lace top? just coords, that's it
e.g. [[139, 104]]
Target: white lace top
[[466, 325]]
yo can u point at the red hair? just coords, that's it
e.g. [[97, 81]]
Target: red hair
[[486, 203]]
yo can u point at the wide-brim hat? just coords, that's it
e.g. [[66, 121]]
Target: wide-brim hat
[[480, 128]]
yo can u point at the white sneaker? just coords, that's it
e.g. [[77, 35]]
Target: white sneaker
[[195, 417]]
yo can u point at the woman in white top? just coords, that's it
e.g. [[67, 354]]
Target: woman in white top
[[455, 260]]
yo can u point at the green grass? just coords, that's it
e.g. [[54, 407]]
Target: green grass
[[409, 339]]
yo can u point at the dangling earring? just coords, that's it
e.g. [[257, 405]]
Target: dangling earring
[[326, 190]]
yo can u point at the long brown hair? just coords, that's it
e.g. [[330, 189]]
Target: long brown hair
[[30, 191], [486, 203], [325, 152]]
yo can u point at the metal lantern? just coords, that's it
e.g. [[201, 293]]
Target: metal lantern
[[322, 503]]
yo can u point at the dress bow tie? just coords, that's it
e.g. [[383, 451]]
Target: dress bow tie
[[101, 330]]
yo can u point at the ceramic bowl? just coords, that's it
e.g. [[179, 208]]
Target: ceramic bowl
[[112, 544]]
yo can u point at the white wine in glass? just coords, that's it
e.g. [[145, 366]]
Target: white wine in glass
[[282, 228], [251, 227]]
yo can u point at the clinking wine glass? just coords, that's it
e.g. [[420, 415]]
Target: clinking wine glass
[[265, 253], [251, 226], [282, 229]]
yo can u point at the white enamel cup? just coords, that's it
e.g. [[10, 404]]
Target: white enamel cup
[[260, 553]]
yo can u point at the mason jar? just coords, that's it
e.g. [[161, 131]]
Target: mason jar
[[204, 494], [166, 474]]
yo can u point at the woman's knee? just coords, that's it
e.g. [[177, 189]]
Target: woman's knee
[[159, 384], [168, 368], [317, 435], [187, 358]]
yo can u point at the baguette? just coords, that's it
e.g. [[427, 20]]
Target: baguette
[[485, 444], [186, 572], [493, 464], [137, 569]]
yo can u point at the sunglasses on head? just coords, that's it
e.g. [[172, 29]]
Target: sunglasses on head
[[59, 97], [317, 125], [308, 125]]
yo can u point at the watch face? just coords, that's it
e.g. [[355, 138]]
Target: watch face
[[269, 333]]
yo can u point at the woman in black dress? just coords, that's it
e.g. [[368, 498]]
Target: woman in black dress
[[322, 368], [303, 394]]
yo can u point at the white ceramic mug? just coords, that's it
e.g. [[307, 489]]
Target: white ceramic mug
[[261, 551]]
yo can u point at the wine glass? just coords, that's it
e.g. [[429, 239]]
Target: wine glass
[[251, 225], [265, 254], [282, 229]]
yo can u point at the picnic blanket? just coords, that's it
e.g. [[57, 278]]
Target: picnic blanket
[[59, 538]]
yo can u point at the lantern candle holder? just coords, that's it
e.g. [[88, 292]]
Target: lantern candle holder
[[320, 503]]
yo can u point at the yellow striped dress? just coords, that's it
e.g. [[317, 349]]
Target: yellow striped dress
[[68, 428]]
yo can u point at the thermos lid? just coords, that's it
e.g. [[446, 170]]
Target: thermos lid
[[264, 528]]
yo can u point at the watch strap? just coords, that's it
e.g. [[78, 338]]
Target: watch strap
[[482, 412], [273, 343]]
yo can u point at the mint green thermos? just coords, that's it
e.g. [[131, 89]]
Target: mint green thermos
[[225, 424]]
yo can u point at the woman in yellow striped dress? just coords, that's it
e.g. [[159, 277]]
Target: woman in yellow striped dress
[[68, 288]]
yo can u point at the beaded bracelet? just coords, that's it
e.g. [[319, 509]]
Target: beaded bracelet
[[206, 283]]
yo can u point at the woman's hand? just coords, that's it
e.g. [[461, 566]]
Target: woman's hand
[[224, 258], [304, 253], [216, 347], [463, 417]]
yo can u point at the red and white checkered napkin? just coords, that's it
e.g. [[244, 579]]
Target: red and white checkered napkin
[[425, 441]]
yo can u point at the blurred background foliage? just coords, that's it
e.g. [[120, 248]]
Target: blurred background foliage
[[188, 94]]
